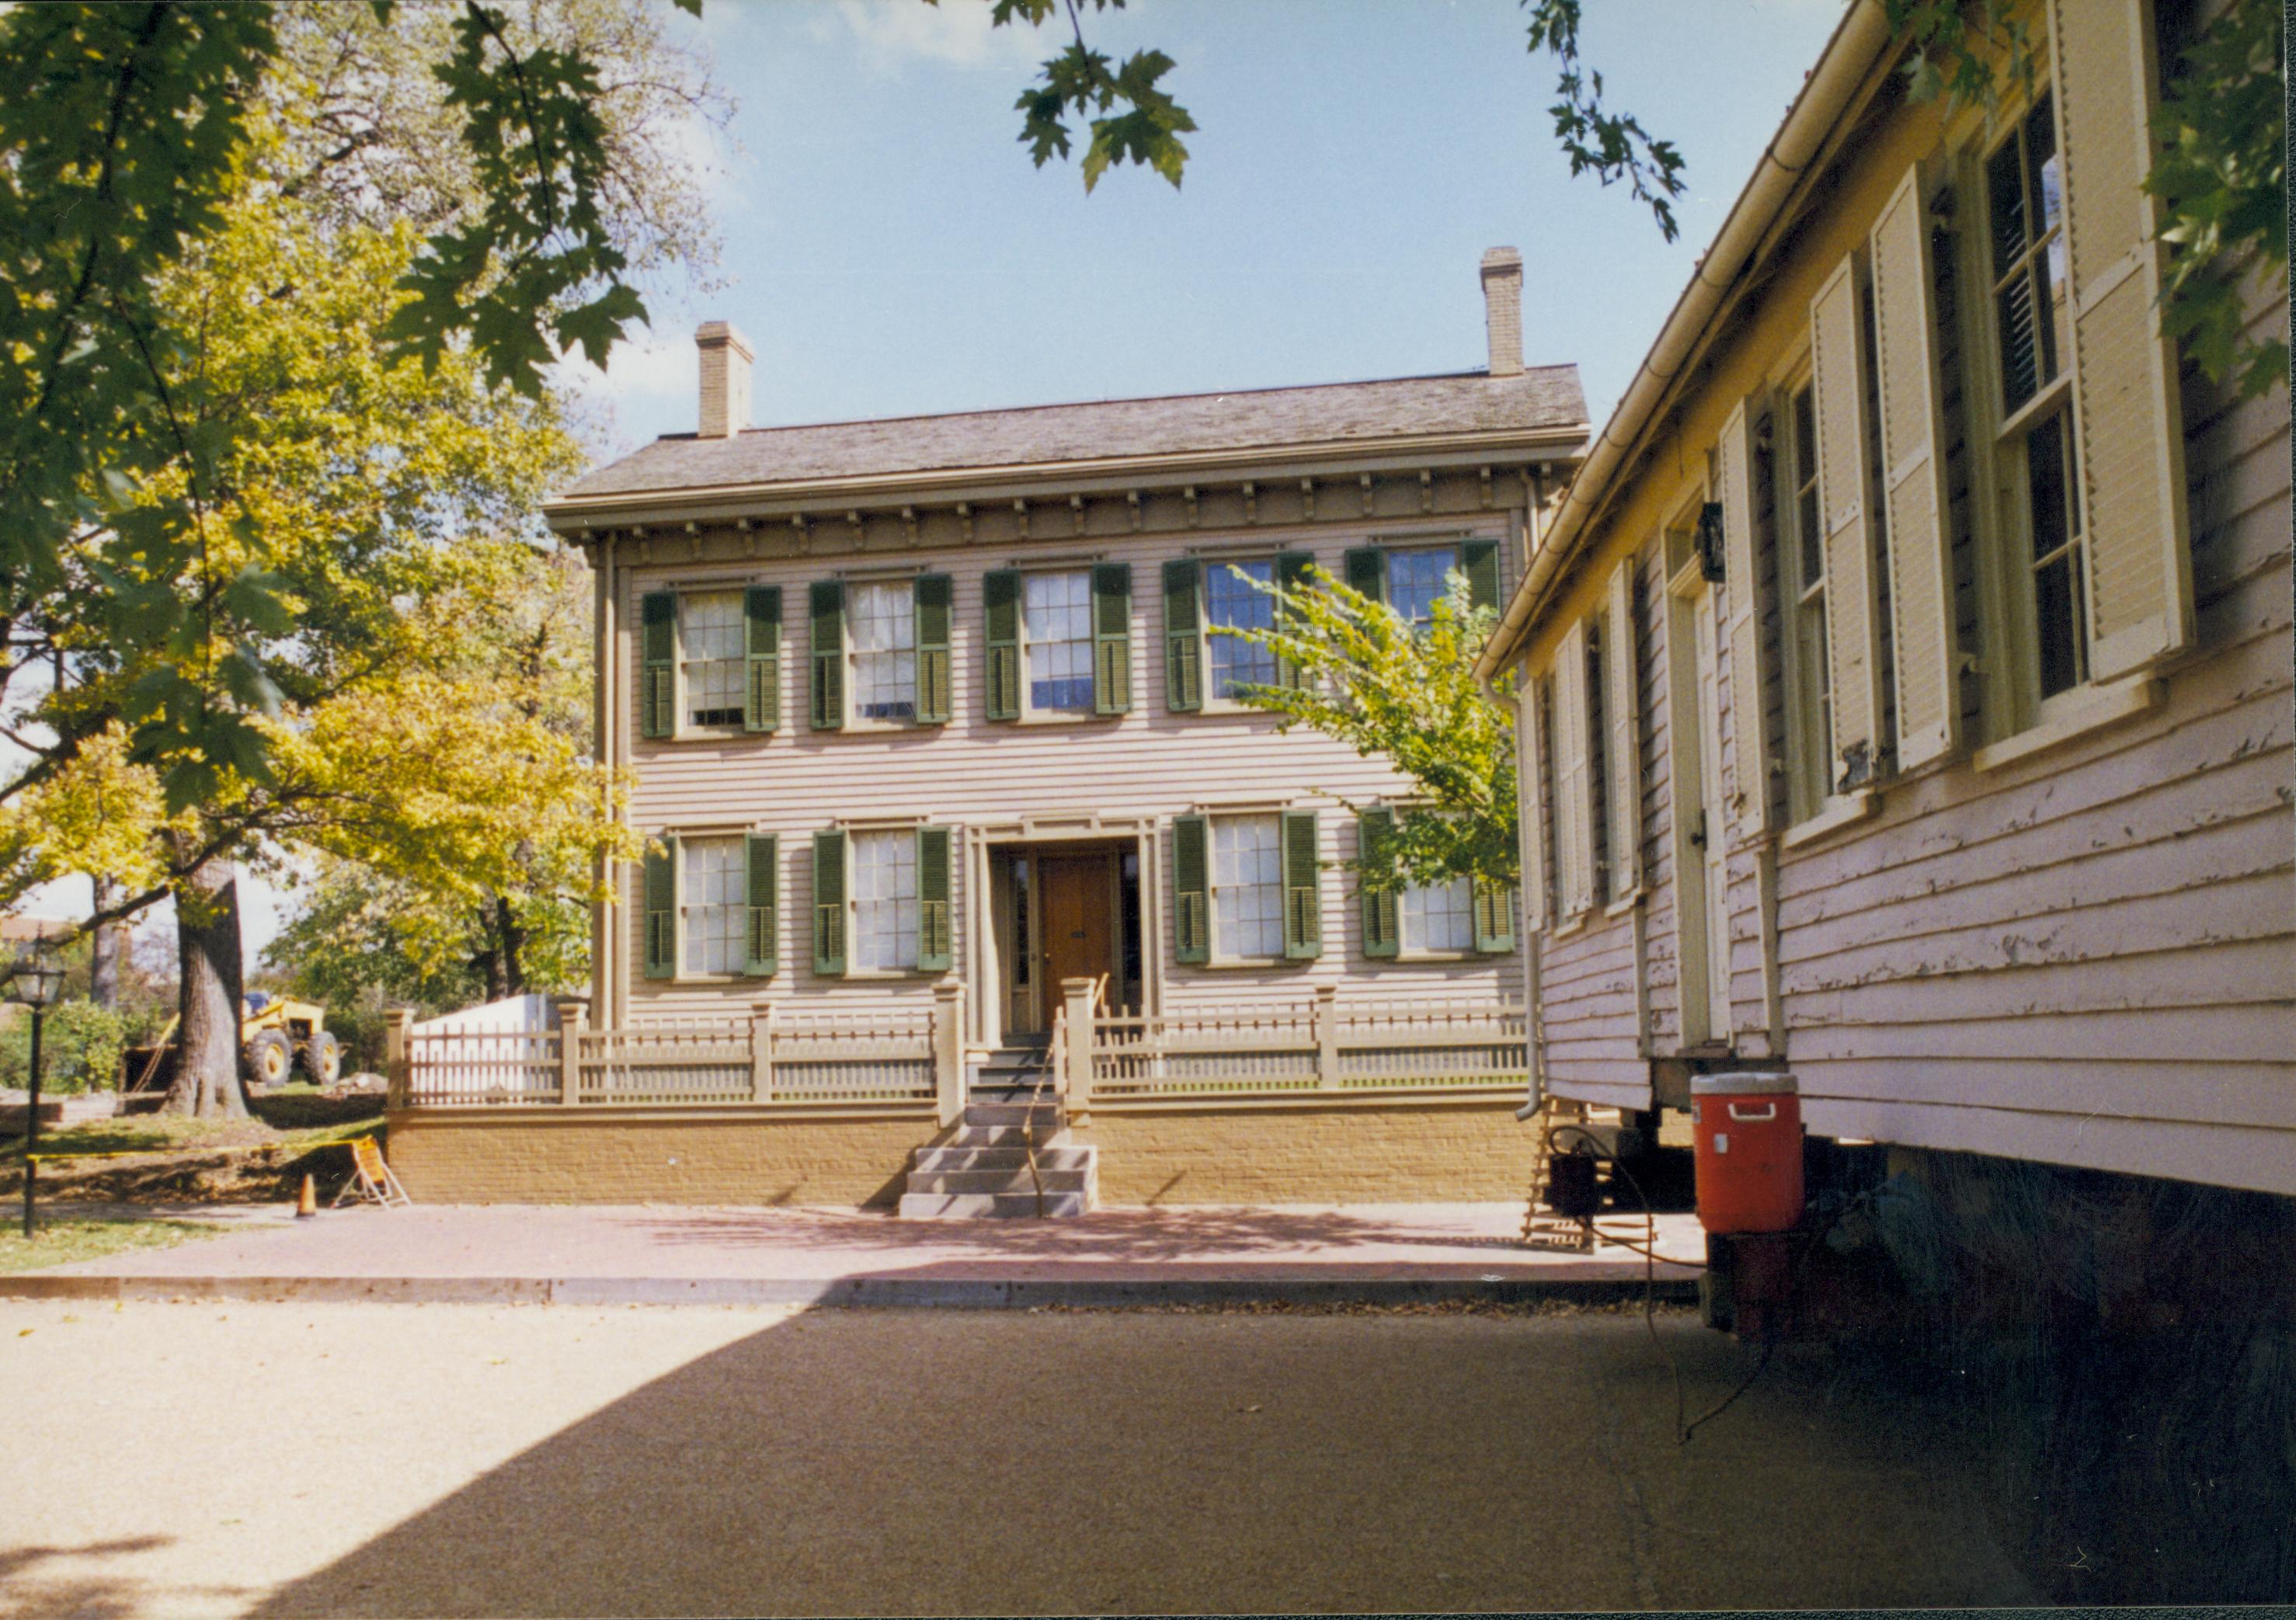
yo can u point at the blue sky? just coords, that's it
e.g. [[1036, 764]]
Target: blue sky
[[889, 250]]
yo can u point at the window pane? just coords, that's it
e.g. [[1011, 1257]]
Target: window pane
[[1415, 580], [883, 626], [1231, 602], [709, 637], [1058, 609], [714, 904], [2004, 190], [2056, 606], [2020, 358], [2047, 203], [1246, 886], [1440, 918], [1811, 539], [885, 900]]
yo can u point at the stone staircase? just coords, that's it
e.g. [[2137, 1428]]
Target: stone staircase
[[983, 1170]]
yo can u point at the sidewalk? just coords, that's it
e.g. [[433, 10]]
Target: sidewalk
[[661, 1254]]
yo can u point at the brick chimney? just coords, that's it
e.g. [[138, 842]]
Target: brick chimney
[[1502, 309], [725, 356]]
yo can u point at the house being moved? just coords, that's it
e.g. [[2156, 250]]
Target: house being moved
[[948, 784]]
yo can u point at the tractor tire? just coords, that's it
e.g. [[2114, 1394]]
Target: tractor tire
[[323, 1059], [270, 1058]]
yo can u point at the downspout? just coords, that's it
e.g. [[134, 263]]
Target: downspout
[[1861, 36]]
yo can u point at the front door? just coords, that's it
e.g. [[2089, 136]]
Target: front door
[[1076, 899]]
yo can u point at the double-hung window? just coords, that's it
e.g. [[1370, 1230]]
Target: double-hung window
[[710, 631], [2024, 196], [883, 632], [714, 905], [1056, 622], [1809, 741], [1439, 916], [1418, 577], [1247, 873], [1237, 598], [885, 901]]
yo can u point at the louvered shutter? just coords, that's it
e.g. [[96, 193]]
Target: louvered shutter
[[661, 908], [1000, 607], [762, 863], [1382, 931], [827, 602], [1624, 715], [1530, 750], [2128, 415], [829, 903], [1479, 559], [1303, 910], [932, 596], [1838, 365], [762, 620], [1574, 814], [1913, 481], [1742, 583], [1365, 568], [658, 664], [1191, 937], [1184, 635], [1292, 576], [1494, 917], [936, 931], [1111, 638]]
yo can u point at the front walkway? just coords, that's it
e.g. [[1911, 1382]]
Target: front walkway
[[1392, 1253]]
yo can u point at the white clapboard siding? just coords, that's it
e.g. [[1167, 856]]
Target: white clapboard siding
[[1149, 763]]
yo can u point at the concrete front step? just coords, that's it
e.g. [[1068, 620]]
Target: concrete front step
[[1082, 1180], [988, 1206], [1046, 1115], [936, 1160], [1004, 1136]]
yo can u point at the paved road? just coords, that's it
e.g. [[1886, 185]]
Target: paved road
[[405, 1460]]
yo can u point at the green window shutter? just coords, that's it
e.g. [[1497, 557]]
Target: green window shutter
[[658, 664], [1191, 934], [933, 595], [1494, 913], [763, 953], [1184, 636], [829, 904], [1111, 638], [1479, 559], [1383, 932], [1365, 568], [827, 598], [661, 910], [1000, 603], [1303, 915], [1291, 575], [935, 937], [761, 613]]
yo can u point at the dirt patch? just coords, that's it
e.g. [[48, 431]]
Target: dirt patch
[[146, 1159]]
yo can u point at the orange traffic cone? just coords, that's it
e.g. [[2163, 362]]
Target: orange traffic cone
[[306, 1202]]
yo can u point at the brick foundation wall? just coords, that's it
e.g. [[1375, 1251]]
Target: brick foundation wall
[[651, 1157], [1421, 1153]]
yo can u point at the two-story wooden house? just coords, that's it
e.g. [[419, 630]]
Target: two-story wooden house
[[937, 744], [1906, 678]]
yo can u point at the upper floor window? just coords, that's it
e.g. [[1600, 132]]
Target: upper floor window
[[1809, 731], [1057, 625], [884, 640], [1417, 578], [715, 904], [1237, 598], [2025, 207], [710, 634]]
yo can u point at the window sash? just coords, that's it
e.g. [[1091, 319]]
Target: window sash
[[1439, 916], [1247, 885], [713, 651], [1057, 637], [882, 630], [714, 905], [884, 935], [1810, 733], [1417, 578], [1232, 603]]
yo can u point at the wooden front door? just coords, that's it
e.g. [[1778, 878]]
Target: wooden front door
[[1076, 899]]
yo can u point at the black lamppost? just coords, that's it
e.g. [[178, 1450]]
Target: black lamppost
[[33, 980]]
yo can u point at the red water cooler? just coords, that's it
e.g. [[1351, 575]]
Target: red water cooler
[[1748, 1152]]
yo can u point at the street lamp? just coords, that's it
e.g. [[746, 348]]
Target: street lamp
[[33, 980]]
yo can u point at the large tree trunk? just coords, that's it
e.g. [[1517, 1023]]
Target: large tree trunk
[[207, 952], [513, 947], [105, 947]]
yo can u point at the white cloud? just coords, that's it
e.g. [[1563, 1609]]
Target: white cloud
[[955, 32], [647, 365]]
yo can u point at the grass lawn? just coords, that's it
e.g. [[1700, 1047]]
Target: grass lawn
[[64, 1239], [146, 1157]]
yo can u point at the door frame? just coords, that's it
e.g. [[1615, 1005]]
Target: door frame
[[987, 997]]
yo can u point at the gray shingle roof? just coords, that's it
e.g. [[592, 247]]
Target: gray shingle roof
[[1542, 397]]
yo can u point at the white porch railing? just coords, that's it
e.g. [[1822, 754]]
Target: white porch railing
[[1318, 1047], [793, 1061]]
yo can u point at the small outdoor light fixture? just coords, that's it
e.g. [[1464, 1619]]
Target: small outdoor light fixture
[[34, 977], [1709, 541]]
